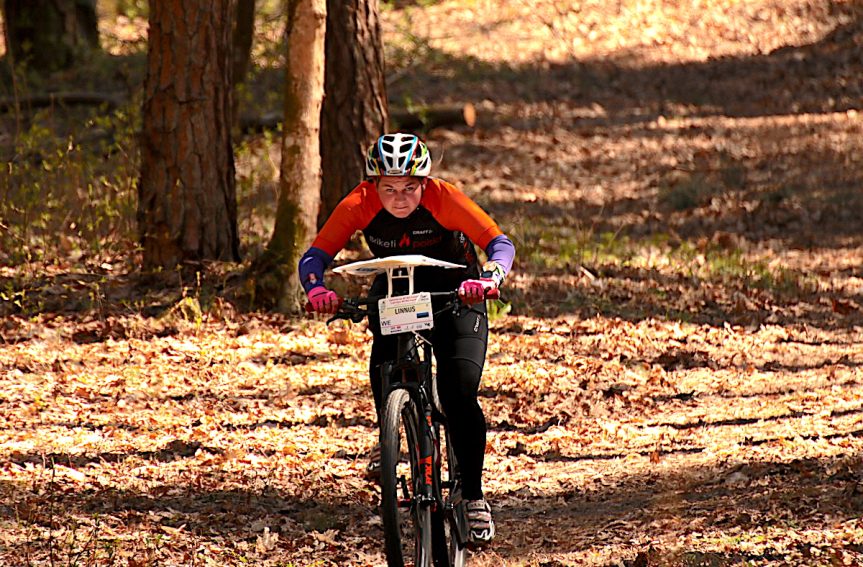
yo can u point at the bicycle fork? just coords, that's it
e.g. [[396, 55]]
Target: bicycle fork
[[427, 458]]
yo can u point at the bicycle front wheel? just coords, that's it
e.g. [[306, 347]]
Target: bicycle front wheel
[[406, 520]]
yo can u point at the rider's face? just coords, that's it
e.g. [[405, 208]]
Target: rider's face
[[400, 195]]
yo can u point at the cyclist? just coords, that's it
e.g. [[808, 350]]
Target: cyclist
[[401, 209]]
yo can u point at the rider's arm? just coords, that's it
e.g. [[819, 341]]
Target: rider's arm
[[501, 253], [456, 211], [312, 266], [353, 213]]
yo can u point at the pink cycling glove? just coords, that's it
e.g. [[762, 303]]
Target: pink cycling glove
[[475, 291], [324, 300]]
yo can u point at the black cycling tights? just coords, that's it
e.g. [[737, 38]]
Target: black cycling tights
[[459, 344]]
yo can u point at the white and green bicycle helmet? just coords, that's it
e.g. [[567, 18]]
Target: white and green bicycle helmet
[[398, 154]]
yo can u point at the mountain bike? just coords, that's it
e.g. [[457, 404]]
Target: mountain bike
[[423, 513]]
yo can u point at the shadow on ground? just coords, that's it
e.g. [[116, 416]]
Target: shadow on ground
[[722, 503], [817, 77], [787, 189], [232, 517], [627, 293]]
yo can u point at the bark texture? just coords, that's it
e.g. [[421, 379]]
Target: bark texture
[[355, 107], [187, 208], [47, 35], [300, 181]]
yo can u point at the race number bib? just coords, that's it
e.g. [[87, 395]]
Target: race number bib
[[405, 313]]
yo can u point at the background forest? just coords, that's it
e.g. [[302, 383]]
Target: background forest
[[674, 374]]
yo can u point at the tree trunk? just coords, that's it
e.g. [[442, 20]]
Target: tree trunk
[[47, 35], [355, 108], [300, 182], [244, 31], [187, 209]]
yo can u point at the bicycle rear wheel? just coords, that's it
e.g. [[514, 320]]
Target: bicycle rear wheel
[[407, 521], [449, 523], [450, 548]]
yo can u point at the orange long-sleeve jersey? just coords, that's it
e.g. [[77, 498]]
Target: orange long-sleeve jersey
[[444, 226]]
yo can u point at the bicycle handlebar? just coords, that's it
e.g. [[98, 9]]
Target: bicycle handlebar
[[351, 308]]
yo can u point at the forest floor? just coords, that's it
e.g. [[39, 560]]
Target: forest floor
[[677, 380]]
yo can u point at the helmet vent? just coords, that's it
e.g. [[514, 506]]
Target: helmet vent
[[398, 154]]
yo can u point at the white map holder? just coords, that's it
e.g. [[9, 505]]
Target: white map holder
[[402, 313]]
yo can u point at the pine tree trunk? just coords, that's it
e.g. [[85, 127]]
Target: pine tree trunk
[[47, 35], [244, 31], [355, 108], [187, 208], [300, 181]]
